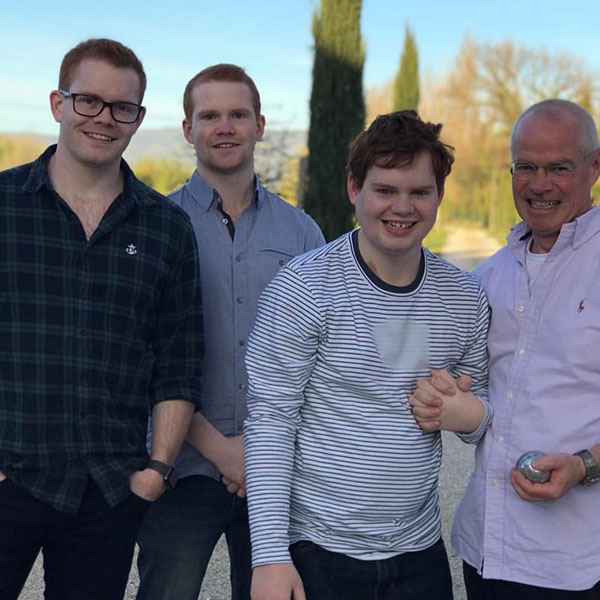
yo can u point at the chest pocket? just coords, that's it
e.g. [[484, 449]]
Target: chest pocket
[[269, 260]]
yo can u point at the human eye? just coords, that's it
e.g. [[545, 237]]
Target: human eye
[[560, 169], [238, 114], [125, 108], [89, 101], [207, 116], [382, 190], [523, 168]]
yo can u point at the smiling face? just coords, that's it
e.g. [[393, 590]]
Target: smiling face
[[396, 209], [96, 141], [543, 203], [223, 128]]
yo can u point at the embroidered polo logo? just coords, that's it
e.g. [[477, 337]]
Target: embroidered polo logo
[[131, 249], [581, 305]]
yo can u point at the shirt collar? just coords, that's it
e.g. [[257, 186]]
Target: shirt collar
[[205, 194], [575, 233], [132, 187]]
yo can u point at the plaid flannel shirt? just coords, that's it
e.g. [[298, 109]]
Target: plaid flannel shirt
[[94, 333]]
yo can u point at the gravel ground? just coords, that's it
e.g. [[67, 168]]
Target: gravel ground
[[464, 247]]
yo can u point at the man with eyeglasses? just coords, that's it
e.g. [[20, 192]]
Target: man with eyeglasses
[[101, 323], [518, 538]]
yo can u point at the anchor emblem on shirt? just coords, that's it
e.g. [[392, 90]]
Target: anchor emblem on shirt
[[131, 249], [581, 305]]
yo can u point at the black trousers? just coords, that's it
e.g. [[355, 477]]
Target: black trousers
[[422, 575], [495, 589], [87, 556]]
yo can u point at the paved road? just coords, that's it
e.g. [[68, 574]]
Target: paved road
[[465, 247]]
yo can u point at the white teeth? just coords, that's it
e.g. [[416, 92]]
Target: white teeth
[[225, 145], [538, 204], [99, 136], [396, 225]]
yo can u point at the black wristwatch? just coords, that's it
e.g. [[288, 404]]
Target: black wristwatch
[[167, 472], [592, 469]]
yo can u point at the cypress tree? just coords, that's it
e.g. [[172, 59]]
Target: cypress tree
[[406, 83], [337, 112]]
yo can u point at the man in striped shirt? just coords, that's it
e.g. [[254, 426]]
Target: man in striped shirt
[[342, 482]]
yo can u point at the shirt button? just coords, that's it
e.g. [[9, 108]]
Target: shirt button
[[509, 395], [495, 482], [241, 386], [500, 439], [242, 343], [240, 300], [281, 262], [238, 258], [225, 221], [521, 308], [521, 351]]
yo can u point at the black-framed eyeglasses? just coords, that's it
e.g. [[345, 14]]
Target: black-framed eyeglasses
[[91, 106]]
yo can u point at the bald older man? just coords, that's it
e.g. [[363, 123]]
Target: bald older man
[[520, 539]]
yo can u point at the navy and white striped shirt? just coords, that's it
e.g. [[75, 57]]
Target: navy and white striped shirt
[[333, 453]]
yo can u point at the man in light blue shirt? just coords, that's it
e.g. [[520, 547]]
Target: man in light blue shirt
[[245, 235]]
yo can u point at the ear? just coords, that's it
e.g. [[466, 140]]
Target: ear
[[595, 166], [56, 104], [353, 189], [260, 128], [187, 131]]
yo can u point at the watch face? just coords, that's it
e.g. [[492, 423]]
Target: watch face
[[167, 472], [591, 466], [171, 478]]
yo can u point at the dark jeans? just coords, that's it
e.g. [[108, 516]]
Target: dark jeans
[[423, 575], [178, 537], [87, 556], [495, 589]]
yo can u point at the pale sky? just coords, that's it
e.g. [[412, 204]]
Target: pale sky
[[271, 39]]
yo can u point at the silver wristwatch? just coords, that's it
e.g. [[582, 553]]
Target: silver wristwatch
[[592, 469]]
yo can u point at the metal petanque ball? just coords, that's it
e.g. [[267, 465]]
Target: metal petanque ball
[[524, 466]]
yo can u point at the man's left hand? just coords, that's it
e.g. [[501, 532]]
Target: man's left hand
[[566, 471], [147, 484]]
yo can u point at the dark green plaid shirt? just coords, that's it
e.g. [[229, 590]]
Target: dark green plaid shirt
[[92, 333]]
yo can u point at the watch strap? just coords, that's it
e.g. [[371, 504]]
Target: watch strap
[[592, 469], [167, 471]]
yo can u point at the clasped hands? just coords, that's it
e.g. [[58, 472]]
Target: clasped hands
[[444, 403]]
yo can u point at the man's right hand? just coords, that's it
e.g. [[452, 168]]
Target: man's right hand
[[2, 476], [226, 453], [443, 402], [231, 465], [278, 581]]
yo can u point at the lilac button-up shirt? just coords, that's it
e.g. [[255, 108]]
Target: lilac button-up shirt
[[545, 390]]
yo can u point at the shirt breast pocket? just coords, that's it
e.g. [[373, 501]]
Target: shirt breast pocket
[[268, 262]]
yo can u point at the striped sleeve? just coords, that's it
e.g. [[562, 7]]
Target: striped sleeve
[[475, 363], [281, 354]]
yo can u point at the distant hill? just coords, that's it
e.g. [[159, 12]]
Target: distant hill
[[271, 154]]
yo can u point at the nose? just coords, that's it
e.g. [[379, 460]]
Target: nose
[[402, 205], [225, 127], [105, 116], [540, 182]]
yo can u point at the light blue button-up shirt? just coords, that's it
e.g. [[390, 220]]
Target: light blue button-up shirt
[[545, 391], [233, 274]]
